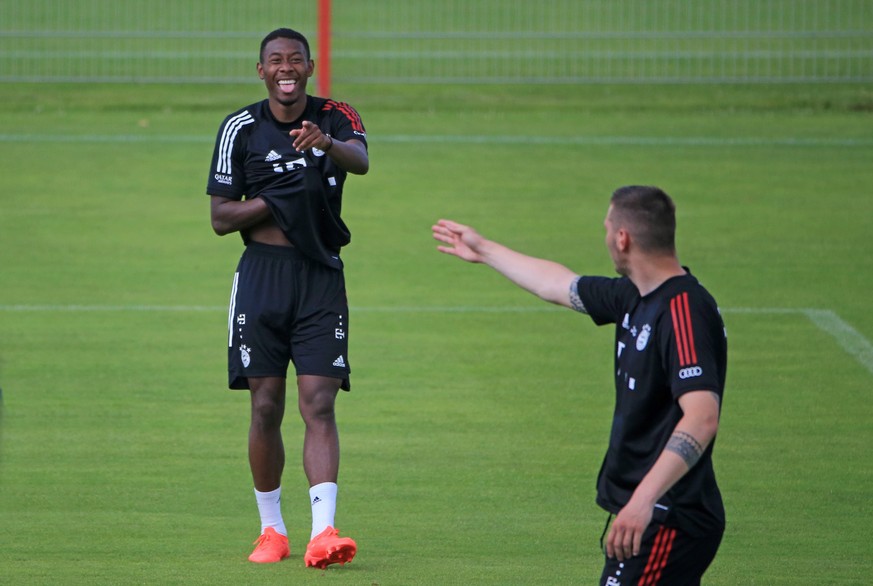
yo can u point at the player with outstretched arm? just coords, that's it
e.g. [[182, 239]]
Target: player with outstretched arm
[[657, 477]]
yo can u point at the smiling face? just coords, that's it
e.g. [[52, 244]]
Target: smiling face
[[285, 68]]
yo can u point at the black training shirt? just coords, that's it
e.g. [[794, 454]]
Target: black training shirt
[[254, 157], [667, 343]]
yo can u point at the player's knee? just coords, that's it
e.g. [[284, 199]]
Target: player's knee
[[318, 409], [267, 413]]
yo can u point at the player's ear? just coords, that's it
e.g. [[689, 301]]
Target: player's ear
[[622, 239], [260, 70]]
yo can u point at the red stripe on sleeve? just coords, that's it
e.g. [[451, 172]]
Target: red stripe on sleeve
[[352, 115], [688, 329], [677, 330], [683, 328]]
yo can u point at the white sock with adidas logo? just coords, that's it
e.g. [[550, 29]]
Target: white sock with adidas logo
[[323, 499]]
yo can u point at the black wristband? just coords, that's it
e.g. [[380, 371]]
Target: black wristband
[[330, 146]]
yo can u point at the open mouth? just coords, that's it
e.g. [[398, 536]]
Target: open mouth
[[287, 85]]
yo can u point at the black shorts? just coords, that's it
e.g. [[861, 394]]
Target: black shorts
[[668, 556], [286, 308]]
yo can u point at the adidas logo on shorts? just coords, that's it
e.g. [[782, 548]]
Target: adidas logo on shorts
[[339, 361]]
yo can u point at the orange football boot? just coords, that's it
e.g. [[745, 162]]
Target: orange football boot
[[329, 548], [271, 547]]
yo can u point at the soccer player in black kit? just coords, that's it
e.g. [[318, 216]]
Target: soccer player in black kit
[[277, 178], [670, 364]]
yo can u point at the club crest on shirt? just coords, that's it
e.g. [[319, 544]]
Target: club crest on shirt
[[643, 338]]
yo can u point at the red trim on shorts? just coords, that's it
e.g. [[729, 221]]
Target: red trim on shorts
[[658, 558]]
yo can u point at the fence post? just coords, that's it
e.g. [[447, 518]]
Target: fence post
[[323, 69]]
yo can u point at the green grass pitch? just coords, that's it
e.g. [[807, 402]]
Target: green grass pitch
[[479, 415]]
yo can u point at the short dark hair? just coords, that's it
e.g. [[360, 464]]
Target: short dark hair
[[284, 33], [648, 214]]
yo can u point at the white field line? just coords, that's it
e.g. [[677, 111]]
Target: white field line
[[475, 139], [848, 338]]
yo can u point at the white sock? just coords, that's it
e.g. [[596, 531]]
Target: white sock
[[269, 506], [323, 499]]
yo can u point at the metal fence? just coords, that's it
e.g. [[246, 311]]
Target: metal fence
[[446, 41]]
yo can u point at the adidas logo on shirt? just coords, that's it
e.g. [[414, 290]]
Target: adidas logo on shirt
[[272, 157], [339, 361]]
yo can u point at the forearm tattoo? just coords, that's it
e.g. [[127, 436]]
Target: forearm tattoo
[[688, 448], [575, 300]]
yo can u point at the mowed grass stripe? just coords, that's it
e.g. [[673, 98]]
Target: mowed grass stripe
[[849, 339], [376, 308], [658, 141]]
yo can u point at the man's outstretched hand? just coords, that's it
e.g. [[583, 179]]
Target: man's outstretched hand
[[463, 241]]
